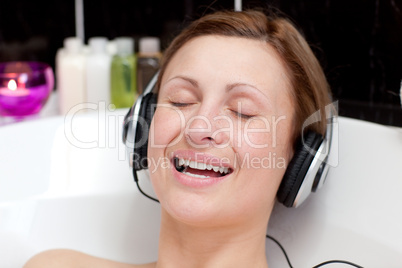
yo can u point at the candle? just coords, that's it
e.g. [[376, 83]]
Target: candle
[[24, 87], [13, 90], [23, 100]]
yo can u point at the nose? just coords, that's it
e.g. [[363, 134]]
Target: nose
[[207, 129]]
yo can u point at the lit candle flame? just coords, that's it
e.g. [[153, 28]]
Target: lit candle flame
[[12, 85]]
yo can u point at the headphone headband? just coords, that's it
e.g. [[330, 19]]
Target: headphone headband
[[132, 118]]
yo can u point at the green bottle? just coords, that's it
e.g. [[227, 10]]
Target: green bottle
[[123, 73]]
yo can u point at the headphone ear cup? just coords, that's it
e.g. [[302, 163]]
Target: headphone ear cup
[[298, 167], [146, 112]]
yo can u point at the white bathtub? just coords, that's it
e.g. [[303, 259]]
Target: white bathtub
[[65, 183]]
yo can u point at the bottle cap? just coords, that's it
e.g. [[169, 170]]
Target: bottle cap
[[73, 44], [149, 45], [98, 44], [124, 45]]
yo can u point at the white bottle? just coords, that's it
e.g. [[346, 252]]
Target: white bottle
[[71, 76], [112, 47], [149, 56], [98, 72], [59, 54]]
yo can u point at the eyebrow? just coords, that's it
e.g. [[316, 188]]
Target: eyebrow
[[232, 86], [229, 87], [193, 82]]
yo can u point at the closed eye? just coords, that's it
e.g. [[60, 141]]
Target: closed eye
[[180, 104], [241, 115]]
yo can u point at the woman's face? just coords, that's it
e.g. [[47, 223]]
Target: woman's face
[[220, 139]]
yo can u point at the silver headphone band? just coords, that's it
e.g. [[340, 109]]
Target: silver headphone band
[[137, 105], [132, 118], [151, 84]]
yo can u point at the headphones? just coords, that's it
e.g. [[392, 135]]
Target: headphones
[[305, 173]]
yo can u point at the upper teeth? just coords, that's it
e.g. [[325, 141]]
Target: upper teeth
[[202, 166]]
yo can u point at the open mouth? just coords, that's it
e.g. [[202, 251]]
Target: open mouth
[[200, 170]]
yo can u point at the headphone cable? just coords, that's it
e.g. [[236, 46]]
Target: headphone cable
[[141, 191], [317, 266], [283, 250], [338, 261]]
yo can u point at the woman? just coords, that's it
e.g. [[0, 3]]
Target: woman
[[234, 91]]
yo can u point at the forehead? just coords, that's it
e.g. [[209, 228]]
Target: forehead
[[231, 58]]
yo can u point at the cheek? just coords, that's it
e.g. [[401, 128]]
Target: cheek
[[166, 129], [273, 135], [265, 148]]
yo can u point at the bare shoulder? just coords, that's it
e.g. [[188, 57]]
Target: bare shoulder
[[63, 258]]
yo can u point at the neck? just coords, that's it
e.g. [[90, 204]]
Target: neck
[[183, 245]]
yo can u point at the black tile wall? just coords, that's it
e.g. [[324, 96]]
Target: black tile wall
[[359, 42]]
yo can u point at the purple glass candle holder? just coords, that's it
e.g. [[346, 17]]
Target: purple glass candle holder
[[25, 87]]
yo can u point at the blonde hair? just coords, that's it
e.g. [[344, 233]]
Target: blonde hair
[[310, 88]]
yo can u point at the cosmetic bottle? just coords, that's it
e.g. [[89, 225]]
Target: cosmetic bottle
[[111, 47], [149, 56], [123, 73], [98, 72], [70, 62]]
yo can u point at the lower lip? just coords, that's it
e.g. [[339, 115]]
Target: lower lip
[[196, 182]]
